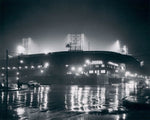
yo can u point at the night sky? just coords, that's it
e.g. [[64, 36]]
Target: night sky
[[103, 22]]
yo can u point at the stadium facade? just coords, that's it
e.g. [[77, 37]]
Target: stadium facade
[[72, 67]]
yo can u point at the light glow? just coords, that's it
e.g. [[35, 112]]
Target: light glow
[[80, 69], [32, 67], [103, 71], [20, 67], [26, 67], [66, 65], [2, 74], [21, 61], [73, 68], [39, 66], [116, 47], [87, 61], [46, 65], [42, 71], [112, 63], [20, 49], [14, 68], [3, 68], [17, 73], [95, 62]]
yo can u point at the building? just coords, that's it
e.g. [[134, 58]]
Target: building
[[71, 67]]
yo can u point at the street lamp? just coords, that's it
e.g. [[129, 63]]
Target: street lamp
[[21, 61]]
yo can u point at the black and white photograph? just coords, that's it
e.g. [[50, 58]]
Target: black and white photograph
[[74, 59]]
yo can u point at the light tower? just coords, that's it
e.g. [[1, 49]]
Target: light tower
[[25, 44], [124, 49], [75, 42]]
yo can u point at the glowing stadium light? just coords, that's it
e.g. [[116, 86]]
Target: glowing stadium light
[[116, 47], [46, 65], [17, 78], [87, 61], [73, 68], [80, 69], [21, 61], [125, 49], [20, 49]]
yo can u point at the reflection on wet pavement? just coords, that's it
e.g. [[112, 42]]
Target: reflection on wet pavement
[[66, 102]]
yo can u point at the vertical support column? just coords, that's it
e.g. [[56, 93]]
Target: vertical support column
[[18, 73], [6, 69]]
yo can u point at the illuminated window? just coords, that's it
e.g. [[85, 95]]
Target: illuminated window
[[94, 62], [69, 73], [91, 71], [103, 71], [21, 61], [96, 66], [32, 67], [26, 67], [103, 65]]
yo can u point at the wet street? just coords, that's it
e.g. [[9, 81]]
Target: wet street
[[74, 102]]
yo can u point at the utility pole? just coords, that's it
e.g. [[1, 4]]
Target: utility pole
[[18, 73], [6, 69]]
